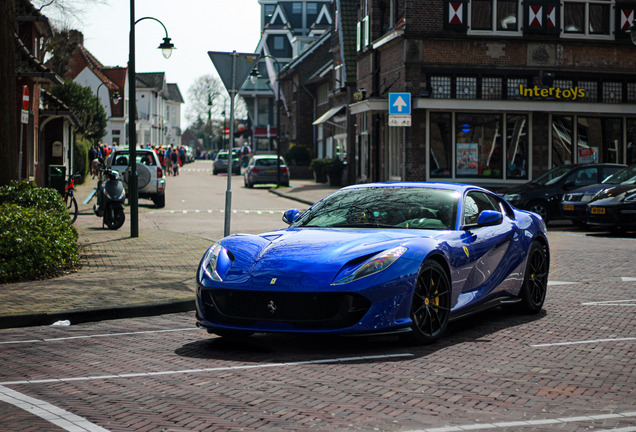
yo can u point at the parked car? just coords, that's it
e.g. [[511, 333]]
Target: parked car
[[376, 258], [262, 169], [543, 195], [574, 203], [151, 182], [614, 208], [221, 162]]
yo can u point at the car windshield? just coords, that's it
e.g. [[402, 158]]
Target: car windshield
[[384, 207], [222, 156], [553, 175], [625, 176], [122, 158]]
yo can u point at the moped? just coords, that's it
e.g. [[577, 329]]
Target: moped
[[111, 195]]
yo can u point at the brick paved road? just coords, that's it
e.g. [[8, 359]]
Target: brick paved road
[[491, 371]]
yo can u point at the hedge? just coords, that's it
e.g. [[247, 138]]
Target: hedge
[[37, 240]]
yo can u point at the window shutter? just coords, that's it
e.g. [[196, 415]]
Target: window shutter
[[456, 15], [625, 13], [542, 17]]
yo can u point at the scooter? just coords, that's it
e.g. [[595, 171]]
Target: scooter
[[110, 198]]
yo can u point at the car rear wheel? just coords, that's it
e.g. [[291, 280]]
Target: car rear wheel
[[430, 306], [159, 201], [535, 282]]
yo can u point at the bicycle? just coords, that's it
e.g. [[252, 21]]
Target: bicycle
[[69, 197]]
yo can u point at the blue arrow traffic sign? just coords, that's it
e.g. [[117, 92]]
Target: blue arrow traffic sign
[[399, 103]]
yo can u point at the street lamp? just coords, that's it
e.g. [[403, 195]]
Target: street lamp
[[166, 48], [254, 75]]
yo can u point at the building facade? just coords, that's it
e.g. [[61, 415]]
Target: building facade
[[501, 91]]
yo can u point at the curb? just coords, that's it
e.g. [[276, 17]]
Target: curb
[[91, 315]]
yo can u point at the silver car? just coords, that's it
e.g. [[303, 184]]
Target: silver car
[[221, 162], [262, 169], [151, 180]]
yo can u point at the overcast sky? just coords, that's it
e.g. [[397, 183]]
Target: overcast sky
[[195, 27]]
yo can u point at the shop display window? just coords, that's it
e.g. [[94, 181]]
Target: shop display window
[[441, 145], [478, 145], [517, 146]]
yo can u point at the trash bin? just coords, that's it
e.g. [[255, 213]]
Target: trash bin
[[57, 178]]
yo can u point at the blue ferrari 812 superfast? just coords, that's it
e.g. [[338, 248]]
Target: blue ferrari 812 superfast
[[377, 258]]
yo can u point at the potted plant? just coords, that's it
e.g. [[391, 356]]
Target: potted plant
[[334, 171], [319, 168]]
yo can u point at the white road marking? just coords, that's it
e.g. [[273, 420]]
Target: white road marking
[[203, 370], [48, 412], [593, 341], [530, 423], [628, 279], [550, 283], [97, 336], [631, 302]]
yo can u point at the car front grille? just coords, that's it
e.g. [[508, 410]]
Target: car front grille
[[302, 310]]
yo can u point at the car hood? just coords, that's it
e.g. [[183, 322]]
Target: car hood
[[305, 257], [589, 189], [615, 194]]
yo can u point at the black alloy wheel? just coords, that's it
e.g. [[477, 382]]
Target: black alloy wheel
[[430, 307], [535, 282], [540, 208]]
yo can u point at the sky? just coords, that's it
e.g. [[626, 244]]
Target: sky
[[195, 27]]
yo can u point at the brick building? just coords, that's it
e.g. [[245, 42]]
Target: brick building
[[502, 90]]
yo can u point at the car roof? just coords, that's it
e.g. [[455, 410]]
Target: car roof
[[459, 187]]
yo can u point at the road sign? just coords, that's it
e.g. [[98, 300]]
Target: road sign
[[25, 97], [226, 131], [399, 103], [24, 118], [400, 120], [233, 68]]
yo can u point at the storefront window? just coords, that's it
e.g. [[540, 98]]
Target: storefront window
[[562, 140], [631, 141], [441, 144], [517, 146], [599, 139], [478, 149]]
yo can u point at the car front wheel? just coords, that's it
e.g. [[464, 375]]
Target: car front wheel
[[430, 306]]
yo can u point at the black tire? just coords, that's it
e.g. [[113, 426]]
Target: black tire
[[215, 172], [159, 201], [430, 306], [541, 208], [71, 205], [286, 184], [579, 224], [114, 218], [535, 280]]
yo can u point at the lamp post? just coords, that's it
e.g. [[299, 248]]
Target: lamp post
[[253, 76], [133, 179]]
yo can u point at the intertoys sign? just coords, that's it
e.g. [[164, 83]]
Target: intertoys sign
[[552, 92]]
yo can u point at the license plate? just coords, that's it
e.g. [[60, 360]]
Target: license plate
[[568, 207], [597, 210], [270, 171]]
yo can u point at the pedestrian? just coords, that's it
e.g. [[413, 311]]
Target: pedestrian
[[174, 158]]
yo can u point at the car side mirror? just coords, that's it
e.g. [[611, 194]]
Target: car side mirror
[[489, 217], [291, 216]]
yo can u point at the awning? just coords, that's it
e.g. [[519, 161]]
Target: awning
[[326, 116]]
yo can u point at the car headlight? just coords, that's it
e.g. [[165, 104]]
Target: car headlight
[[375, 264], [512, 197], [215, 263]]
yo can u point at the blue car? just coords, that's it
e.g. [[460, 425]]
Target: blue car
[[377, 258]]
